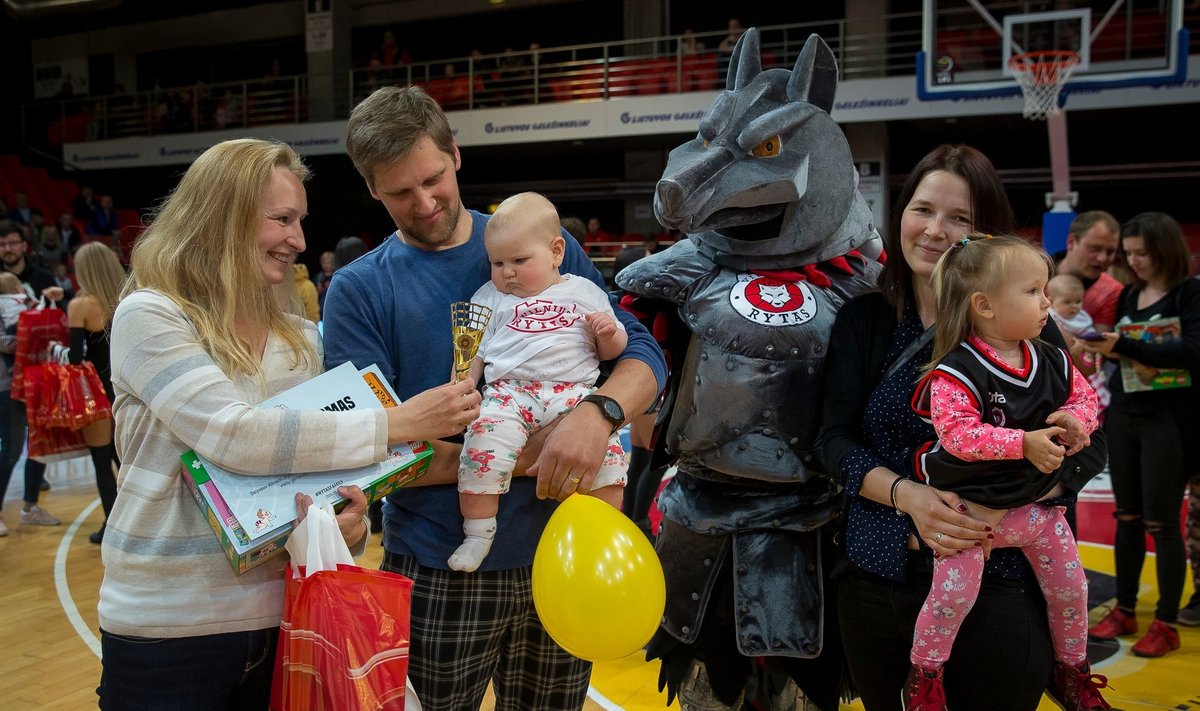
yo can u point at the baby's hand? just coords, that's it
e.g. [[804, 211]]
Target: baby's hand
[[1042, 451], [1074, 437], [603, 325]]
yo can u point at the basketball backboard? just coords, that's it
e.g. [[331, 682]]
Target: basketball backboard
[[967, 44]]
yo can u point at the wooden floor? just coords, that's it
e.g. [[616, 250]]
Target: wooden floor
[[49, 635]]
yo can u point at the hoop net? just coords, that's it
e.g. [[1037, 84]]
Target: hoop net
[[1042, 76]]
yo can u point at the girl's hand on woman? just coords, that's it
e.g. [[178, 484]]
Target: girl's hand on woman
[[942, 519], [1075, 438], [1042, 451]]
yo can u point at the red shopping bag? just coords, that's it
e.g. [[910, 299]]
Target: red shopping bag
[[343, 640], [36, 328], [72, 397], [343, 643], [53, 444]]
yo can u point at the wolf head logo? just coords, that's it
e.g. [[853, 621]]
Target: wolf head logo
[[769, 181], [776, 296]]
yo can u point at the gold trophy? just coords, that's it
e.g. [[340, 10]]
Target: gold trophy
[[467, 323]]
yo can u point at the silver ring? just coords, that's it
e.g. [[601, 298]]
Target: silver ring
[[574, 479], [938, 538]]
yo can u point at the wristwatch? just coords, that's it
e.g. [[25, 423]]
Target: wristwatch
[[610, 408]]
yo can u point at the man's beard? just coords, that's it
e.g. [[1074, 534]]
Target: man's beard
[[439, 233]]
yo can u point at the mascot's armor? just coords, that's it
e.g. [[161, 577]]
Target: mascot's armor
[[778, 237]]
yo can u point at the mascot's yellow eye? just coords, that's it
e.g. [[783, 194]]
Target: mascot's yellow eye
[[768, 148]]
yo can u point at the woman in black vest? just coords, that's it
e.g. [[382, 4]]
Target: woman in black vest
[[1145, 423]]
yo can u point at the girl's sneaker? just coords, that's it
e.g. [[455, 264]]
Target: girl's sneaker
[[923, 691], [1160, 638], [1077, 688], [1190, 615]]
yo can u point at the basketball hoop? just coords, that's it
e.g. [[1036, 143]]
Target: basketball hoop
[[1042, 76]]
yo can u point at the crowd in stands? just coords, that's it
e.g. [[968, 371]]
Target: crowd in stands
[[52, 245]]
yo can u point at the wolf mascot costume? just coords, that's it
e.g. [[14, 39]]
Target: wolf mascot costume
[[777, 235]]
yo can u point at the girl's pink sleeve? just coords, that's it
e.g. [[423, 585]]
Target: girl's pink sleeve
[[960, 428], [1081, 403]]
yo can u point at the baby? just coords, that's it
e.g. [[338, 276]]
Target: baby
[[13, 300], [540, 356], [1065, 292], [1066, 306]]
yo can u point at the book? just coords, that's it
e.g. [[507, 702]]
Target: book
[[1159, 330], [252, 516]]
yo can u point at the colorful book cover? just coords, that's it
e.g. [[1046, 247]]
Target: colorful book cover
[[1161, 330], [253, 515]]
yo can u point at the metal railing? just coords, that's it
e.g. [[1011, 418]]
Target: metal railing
[[866, 47]]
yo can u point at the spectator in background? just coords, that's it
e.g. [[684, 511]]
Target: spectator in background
[[596, 233], [307, 292], [391, 54], [347, 250], [68, 232], [1091, 248], [37, 222], [62, 278], [104, 219], [689, 43], [575, 227], [13, 428], [1151, 431], [321, 280], [53, 250], [725, 48], [101, 277], [651, 245], [20, 212], [84, 204]]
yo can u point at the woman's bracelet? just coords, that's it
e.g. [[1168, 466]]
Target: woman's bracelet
[[895, 484]]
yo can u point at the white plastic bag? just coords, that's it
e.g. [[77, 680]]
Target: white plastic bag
[[317, 543]]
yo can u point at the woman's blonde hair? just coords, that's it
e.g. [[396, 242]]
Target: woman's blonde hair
[[100, 275], [201, 250], [974, 263]]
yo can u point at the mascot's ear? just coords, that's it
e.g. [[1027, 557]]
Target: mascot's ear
[[815, 77], [745, 63]]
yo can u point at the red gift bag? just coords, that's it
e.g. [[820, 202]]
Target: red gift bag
[[72, 397], [343, 640], [343, 643], [36, 328], [54, 444]]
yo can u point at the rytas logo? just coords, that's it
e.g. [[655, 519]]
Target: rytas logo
[[771, 302]]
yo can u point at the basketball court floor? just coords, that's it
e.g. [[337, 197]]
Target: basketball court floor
[[49, 635]]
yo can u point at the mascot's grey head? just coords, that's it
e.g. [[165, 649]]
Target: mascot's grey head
[[769, 181]]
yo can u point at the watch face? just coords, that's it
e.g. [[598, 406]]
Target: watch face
[[612, 410]]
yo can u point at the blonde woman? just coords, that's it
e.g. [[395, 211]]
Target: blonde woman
[[197, 339], [100, 277]]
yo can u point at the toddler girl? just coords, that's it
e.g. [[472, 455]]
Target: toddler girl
[[1001, 402]]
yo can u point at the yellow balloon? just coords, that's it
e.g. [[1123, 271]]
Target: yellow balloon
[[597, 584]]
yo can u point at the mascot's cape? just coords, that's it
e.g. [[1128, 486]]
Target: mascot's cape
[[778, 237]]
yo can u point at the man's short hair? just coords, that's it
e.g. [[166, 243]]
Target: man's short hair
[[8, 227], [388, 123], [1084, 221]]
